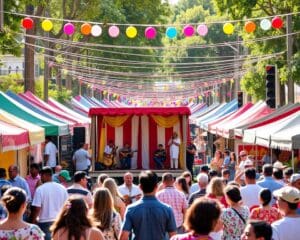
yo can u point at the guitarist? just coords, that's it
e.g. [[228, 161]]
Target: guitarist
[[129, 191], [125, 156], [109, 154]]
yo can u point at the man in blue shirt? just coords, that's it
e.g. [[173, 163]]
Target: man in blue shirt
[[148, 218], [18, 181], [268, 181], [3, 180]]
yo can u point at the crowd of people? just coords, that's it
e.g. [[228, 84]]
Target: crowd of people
[[249, 205]]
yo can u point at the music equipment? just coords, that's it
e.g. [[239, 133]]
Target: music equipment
[[129, 199], [109, 159], [126, 154]]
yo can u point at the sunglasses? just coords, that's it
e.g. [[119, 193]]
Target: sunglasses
[[243, 155]]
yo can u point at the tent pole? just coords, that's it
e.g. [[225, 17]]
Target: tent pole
[[94, 133], [184, 132], [293, 160], [58, 155]]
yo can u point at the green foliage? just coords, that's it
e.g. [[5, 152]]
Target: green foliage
[[12, 82]]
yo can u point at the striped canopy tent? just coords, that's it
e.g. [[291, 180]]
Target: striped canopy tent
[[12, 138], [142, 128]]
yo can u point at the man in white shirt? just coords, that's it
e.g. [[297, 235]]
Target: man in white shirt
[[287, 228], [250, 192], [47, 202], [129, 191], [50, 153], [174, 144]]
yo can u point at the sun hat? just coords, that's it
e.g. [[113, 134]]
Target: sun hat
[[288, 194], [295, 177]]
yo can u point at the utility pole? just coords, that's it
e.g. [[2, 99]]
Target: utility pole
[[1, 16], [46, 62], [289, 46]]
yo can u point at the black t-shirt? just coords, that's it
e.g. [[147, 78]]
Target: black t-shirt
[[190, 156]]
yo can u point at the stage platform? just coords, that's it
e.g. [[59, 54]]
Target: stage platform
[[118, 173]]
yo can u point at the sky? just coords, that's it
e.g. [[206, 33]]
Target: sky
[[173, 1]]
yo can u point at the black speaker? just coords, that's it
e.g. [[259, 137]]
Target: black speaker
[[78, 137]]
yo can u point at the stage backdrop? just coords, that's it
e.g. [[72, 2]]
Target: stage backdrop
[[142, 128]]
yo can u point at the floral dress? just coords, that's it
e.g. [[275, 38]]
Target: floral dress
[[233, 224], [113, 232], [268, 215], [31, 232]]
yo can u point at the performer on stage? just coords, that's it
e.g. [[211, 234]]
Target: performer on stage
[[125, 156], [174, 144], [109, 154], [160, 157]]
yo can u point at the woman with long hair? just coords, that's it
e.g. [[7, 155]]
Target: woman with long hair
[[182, 186], [201, 219], [265, 211], [13, 227], [215, 190], [188, 177], [119, 205], [232, 166], [73, 223], [217, 162], [235, 216], [107, 219]]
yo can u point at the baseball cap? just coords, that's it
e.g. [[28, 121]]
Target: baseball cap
[[65, 174], [279, 165], [295, 177], [288, 194]]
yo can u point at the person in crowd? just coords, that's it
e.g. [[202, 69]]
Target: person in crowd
[[47, 201], [182, 186], [104, 214], [81, 158], [240, 177], [100, 180], [235, 216], [268, 181], [17, 181], [129, 191], [279, 165], [267, 158], [57, 170], [3, 180], [202, 181], [217, 162], [278, 176], [188, 177], [226, 159], [73, 222], [250, 192], [174, 198], [257, 230], [50, 153], [225, 174], [265, 211], [160, 156], [212, 173], [201, 219], [80, 189], [140, 216], [201, 147], [191, 150], [215, 190], [64, 178], [232, 165], [3, 211], [288, 172], [174, 144], [242, 158], [287, 228], [295, 180], [126, 155], [195, 186], [14, 227], [33, 179], [119, 205]]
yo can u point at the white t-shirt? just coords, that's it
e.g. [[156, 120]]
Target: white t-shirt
[[250, 195], [108, 149], [286, 228], [135, 190], [50, 197], [174, 149], [51, 150]]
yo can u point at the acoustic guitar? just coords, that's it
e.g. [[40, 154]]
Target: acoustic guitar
[[129, 199], [109, 159]]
